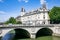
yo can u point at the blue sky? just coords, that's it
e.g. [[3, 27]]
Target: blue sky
[[11, 8]]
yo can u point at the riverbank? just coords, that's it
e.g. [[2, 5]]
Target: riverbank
[[56, 35], [42, 38]]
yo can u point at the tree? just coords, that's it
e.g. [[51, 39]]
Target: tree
[[11, 20], [19, 22], [54, 14]]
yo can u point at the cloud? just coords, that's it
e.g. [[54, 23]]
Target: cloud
[[42, 1], [23, 0], [2, 12], [1, 0]]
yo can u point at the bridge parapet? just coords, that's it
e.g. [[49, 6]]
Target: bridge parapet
[[41, 25], [32, 29], [56, 25]]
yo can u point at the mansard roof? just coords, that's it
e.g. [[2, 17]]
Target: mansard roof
[[38, 11], [18, 17]]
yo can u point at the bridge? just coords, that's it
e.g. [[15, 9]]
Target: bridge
[[31, 30]]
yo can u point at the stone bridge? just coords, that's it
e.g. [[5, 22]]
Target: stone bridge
[[32, 30]]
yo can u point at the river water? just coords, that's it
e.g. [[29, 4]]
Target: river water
[[10, 36]]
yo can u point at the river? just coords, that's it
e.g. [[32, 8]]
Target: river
[[10, 36]]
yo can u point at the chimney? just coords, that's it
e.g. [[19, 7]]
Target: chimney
[[22, 9]]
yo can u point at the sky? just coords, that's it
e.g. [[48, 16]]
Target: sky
[[11, 8]]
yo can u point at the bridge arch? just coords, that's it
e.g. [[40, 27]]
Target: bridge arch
[[44, 32], [21, 33]]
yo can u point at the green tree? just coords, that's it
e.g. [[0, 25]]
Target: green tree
[[11, 20], [19, 22], [54, 14]]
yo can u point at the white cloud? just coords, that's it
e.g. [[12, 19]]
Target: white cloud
[[23, 0], [2, 12], [1, 0], [42, 1]]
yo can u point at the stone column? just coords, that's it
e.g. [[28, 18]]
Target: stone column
[[33, 35]]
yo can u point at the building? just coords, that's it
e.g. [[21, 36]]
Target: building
[[38, 16]]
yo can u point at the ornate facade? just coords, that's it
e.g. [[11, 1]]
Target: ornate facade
[[36, 17]]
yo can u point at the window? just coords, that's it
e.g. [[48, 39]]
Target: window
[[38, 17], [43, 22], [44, 16], [0, 31], [28, 17]]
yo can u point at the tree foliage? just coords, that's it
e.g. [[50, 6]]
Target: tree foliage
[[19, 22], [54, 14], [11, 20]]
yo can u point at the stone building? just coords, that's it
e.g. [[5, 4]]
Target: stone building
[[36, 17]]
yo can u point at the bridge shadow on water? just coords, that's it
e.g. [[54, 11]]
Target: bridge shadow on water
[[44, 32], [25, 35], [21, 34], [18, 34]]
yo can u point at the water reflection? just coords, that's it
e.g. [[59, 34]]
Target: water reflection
[[56, 38], [48, 38], [8, 36]]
